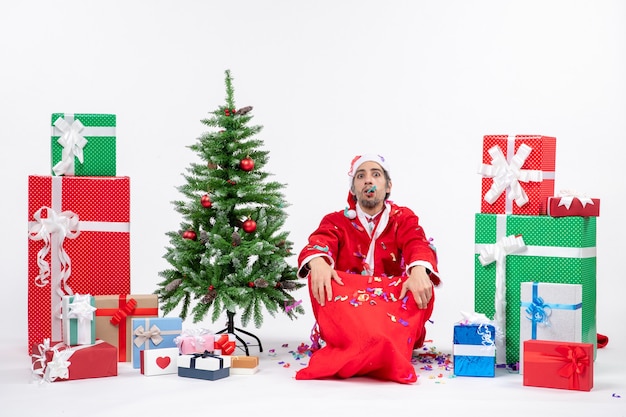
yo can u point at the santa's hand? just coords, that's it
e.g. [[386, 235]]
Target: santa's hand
[[420, 285], [320, 280]]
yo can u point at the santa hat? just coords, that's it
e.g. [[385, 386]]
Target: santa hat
[[358, 160]]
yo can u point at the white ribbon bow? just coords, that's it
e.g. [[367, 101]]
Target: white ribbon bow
[[41, 358], [508, 175], [497, 253], [58, 227], [58, 367], [567, 196], [73, 143], [141, 335], [81, 309], [482, 320]]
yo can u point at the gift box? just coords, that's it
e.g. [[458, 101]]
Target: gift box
[[244, 365], [113, 318], [557, 364], [55, 361], [474, 350], [225, 344], [550, 312], [572, 205], [79, 243], [154, 333], [195, 341], [204, 366], [158, 361], [78, 319], [83, 144], [518, 173], [513, 249]]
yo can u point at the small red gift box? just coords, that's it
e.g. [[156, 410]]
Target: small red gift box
[[56, 361], [568, 204], [556, 364], [518, 173], [79, 242], [224, 344]]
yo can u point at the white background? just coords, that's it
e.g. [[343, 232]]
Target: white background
[[418, 82]]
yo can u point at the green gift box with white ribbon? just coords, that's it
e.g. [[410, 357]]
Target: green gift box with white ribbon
[[78, 319], [511, 249], [83, 144]]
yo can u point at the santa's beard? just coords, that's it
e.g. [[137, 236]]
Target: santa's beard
[[368, 203]]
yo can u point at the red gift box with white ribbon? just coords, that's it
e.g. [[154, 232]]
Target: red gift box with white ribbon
[[79, 242], [571, 203], [518, 173], [56, 361]]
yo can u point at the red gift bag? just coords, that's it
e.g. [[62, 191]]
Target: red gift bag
[[367, 331]]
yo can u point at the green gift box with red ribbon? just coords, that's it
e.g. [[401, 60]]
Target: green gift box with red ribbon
[[511, 249], [78, 243], [83, 144]]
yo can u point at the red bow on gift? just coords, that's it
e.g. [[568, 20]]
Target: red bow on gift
[[577, 360], [123, 312], [225, 344]]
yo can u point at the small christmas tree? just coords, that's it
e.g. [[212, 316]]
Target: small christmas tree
[[230, 253]]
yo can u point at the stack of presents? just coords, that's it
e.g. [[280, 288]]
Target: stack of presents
[[82, 319], [534, 274]]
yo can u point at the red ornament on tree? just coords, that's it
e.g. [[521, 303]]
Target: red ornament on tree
[[190, 234], [206, 201], [247, 164], [249, 226], [251, 284]]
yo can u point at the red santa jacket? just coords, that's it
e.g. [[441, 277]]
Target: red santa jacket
[[398, 241]]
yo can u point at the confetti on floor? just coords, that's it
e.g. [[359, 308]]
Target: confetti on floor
[[430, 363]]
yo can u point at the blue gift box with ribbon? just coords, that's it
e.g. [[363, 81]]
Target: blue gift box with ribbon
[[550, 311], [474, 350], [154, 333], [204, 366]]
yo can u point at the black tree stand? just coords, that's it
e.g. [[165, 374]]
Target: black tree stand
[[230, 328]]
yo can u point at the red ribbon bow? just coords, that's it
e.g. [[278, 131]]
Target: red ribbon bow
[[577, 360], [226, 345], [123, 312]]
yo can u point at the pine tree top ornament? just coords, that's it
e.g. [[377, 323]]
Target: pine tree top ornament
[[211, 275]]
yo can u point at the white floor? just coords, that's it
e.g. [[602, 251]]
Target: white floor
[[273, 390]]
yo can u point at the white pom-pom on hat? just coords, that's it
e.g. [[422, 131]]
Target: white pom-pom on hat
[[349, 213]]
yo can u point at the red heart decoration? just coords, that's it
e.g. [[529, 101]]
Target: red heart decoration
[[163, 361]]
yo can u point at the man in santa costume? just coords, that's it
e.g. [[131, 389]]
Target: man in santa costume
[[372, 236]]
